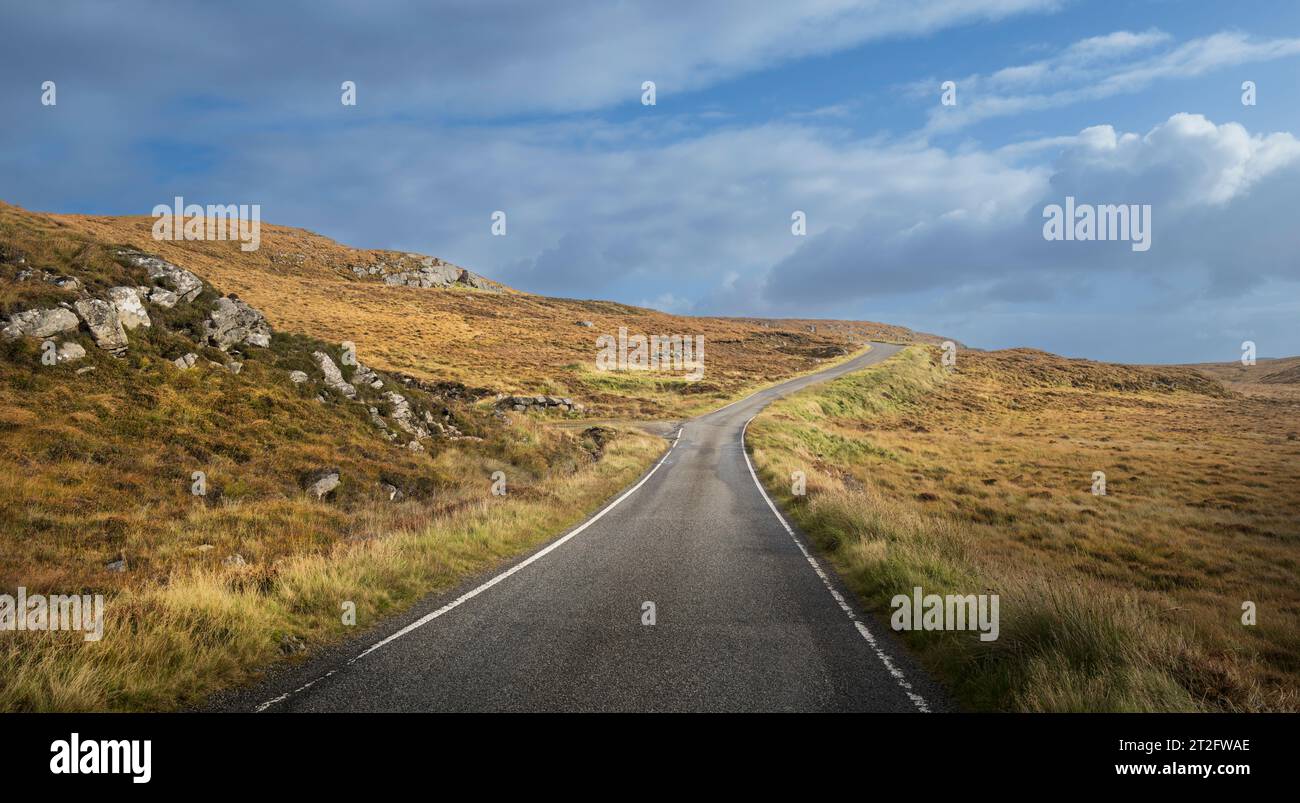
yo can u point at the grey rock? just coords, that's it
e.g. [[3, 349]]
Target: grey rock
[[321, 482], [298, 377], [586, 324], [234, 323], [85, 370], [40, 323], [235, 367], [100, 318], [185, 284], [333, 376], [163, 297], [235, 560], [69, 352], [186, 361], [117, 566], [365, 376], [401, 413], [126, 301], [393, 493]]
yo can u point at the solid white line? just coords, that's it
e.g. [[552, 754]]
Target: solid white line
[[892, 668], [468, 595]]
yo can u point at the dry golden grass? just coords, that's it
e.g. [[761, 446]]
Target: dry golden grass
[[979, 481], [510, 342], [97, 467]]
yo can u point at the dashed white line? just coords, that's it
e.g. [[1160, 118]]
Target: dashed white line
[[890, 666], [468, 595]]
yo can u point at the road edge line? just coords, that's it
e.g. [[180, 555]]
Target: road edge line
[[474, 592], [861, 626]]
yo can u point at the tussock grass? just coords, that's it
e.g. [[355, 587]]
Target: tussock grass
[[167, 646], [979, 481]]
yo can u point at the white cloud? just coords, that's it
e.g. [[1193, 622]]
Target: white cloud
[[1091, 69]]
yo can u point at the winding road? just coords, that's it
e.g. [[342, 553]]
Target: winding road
[[745, 619]]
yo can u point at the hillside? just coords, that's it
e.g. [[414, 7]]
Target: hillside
[[181, 429], [981, 480], [492, 338]]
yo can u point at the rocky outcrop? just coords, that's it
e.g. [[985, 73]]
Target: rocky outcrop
[[40, 323], [333, 376], [522, 404], [101, 319], [414, 270], [185, 284], [400, 412], [234, 323], [367, 377], [163, 297], [130, 312]]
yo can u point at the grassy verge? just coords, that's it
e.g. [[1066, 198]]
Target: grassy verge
[[168, 645], [978, 481]]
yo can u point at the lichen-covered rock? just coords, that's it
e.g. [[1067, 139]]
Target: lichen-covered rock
[[163, 297], [186, 285], [297, 377], [69, 352], [400, 411], [333, 376], [365, 376], [126, 301], [234, 323], [40, 323], [101, 319], [186, 361]]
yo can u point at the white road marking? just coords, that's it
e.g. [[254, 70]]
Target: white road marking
[[892, 668], [468, 595]]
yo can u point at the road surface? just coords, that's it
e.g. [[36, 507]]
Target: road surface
[[744, 619]]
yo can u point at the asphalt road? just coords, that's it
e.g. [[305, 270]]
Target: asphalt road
[[745, 620]]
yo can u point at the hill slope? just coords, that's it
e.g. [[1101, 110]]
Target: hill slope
[[503, 341], [181, 430]]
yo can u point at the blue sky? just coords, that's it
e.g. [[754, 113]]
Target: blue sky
[[918, 214]]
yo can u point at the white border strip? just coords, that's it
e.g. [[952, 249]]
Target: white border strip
[[893, 669], [468, 595]]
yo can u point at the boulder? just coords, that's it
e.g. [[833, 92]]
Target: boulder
[[402, 415], [586, 324], [234, 323], [185, 284], [333, 376], [298, 377], [321, 482], [365, 376], [393, 493], [163, 297], [69, 352], [40, 323], [126, 301], [101, 319], [186, 361]]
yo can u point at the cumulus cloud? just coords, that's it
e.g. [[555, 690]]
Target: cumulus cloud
[[1222, 201]]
